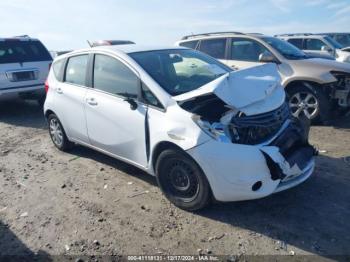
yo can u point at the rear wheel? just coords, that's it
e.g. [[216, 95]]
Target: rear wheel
[[310, 102], [57, 134], [182, 180]]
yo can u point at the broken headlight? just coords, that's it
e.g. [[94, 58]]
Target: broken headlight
[[343, 79], [215, 130]]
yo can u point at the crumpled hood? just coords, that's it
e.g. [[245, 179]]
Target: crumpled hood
[[253, 90]]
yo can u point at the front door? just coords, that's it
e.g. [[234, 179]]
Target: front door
[[244, 53], [112, 124], [315, 46]]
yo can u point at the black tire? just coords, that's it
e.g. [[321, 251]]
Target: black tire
[[57, 134], [316, 96], [182, 181]]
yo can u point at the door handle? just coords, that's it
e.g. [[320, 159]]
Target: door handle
[[91, 101], [59, 90]]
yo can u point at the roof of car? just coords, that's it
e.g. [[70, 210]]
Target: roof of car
[[220, 35], [302, 35], [133, 48], [18, 38]]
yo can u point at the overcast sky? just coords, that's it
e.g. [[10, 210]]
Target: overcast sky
[[67, 24]]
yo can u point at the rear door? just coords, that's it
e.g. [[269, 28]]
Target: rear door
[[113, 125], [244, 53], [24, 64], [69, 97]]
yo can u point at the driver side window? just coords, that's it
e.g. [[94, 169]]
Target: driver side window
[[314, 44], [243, 49]]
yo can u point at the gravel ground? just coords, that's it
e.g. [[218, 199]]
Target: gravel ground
[[85, 203]]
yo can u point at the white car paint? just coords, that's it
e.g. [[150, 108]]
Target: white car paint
[[106, 123]]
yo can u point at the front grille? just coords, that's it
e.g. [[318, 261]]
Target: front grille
[[259, 128]]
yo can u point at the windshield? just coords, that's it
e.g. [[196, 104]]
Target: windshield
[[343, 39], [179, 71], [333, 43], [16, 51], [286, 49]]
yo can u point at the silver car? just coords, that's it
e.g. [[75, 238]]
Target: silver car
[[24, 66]]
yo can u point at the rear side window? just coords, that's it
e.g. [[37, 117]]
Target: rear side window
[[190, 44], [76, 70], [298, 42], [112, 76], [57, 67], [16, 51], [214, 47]]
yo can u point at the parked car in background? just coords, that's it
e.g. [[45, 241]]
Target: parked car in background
[[24, 66], [318, 45], [109, 42], [341, 38], [315, 86], [203, 130]]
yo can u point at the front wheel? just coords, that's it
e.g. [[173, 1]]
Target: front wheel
[[310, 102], [182, 181]]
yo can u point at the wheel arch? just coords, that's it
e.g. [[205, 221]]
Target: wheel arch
[[48, 112], [295, 83], [158, 149]]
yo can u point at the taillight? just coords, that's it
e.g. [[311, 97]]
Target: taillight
[[46, 86]]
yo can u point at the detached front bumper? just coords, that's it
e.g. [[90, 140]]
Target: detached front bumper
[[242, 172]]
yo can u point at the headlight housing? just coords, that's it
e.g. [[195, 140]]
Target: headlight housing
[[248, 130], [215, 130]]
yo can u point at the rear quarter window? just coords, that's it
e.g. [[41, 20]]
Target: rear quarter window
[[57, 68], [16, 51], [190, 44]]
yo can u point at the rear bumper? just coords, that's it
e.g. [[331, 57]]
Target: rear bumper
[[27, 91]]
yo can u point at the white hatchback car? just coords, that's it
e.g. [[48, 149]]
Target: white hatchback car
[[203, 130]]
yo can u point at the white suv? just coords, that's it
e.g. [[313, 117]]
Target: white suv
[[182, 116], [315, 86], [24, 66], [318, 45]]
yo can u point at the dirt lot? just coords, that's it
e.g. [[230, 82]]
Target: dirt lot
[[85, 203]]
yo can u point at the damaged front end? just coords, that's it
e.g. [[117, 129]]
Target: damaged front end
[[340, 90], [263, 130]]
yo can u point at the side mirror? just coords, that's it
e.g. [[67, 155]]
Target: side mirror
[[267, 57], [132, 102], [326, 48]]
